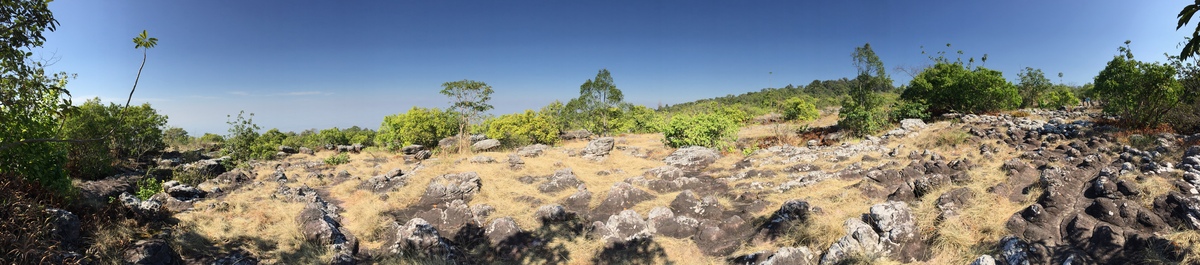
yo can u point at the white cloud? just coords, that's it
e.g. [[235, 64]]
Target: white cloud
[[239, 93], [303, 93]]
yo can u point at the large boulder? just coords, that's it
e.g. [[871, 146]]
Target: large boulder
[[666, 223], [859, 238], [417, 238], [207, 167], [501, 229], [485, 145], [532, 150], [620, 197], [894, 221], [692, 158], [623, 227], [152, 252], [183, 192], [65, 227], [598, 148], [449, 187], [386, 182], [561, 180], [450, 218]]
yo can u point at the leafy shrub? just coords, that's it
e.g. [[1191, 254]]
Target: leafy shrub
[[707, 129], [1032, 87], [338, 159], [1061, 97], [119, 133], [417, 126], [1139, 93], [239, 145], [212, 138], [638, 119], [904, 109], [523, 128], [175, 136], [147, 187], [951, 87], [861, 113], [797, 108]]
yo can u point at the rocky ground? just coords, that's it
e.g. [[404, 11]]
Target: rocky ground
[[1045, 187]]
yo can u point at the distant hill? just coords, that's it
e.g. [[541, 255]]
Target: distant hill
[[826, 93]]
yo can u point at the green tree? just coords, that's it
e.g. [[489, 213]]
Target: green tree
[[862, 112], [523, 128], [797, 108], [950, 86], [598, 98], [175, 136], [1140, 93], [417, 126], [1033, 84], [469, 98]]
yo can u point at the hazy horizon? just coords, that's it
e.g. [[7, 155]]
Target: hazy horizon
[[334, 64]]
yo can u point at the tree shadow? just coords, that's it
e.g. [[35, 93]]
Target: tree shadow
[[636, 251]]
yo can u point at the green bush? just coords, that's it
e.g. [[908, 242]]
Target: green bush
[[417, 126], [338, 159], [706, 129], [523, 128], [1058, 98], [1139, 93], [119, 136], [239, 145], [951, 87], [212, 138], [797, 108], [638, 119], [175, 136], [147, 187], [862, 113], [904, 109]]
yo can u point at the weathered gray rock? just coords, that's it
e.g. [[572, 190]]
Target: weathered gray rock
[[417, 238], [394, 178], [412, 149], [307, 151], [692, 158], [552, 213], [620, 197], [984, 260], [791, 256], [147, 209], [65, 227], [482, 159], [598, 148], [894, 221], [515, 162], [532, 150], [501, 229], [450, 187], [152, 252], [183, 192], [623, 227], [287, 149], [859, 238], [664, 222], [561, 180], [485, 145]]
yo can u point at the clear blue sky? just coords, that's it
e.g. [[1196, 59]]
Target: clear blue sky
[[320, 64]]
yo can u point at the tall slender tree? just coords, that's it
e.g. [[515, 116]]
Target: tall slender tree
[[469, 98], [598, 97]]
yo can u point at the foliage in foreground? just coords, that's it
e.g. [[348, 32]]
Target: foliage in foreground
[[127, 135], [800, 109]]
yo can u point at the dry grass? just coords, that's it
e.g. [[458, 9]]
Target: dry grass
[[265, 230], [955, 240]]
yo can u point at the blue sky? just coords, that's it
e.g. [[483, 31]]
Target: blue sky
[[320, 64]]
